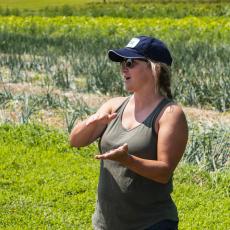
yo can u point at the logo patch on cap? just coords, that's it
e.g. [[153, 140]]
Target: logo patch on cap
[[133, 42]]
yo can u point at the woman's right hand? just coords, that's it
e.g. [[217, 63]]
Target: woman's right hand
[[100, 118], [89, 130]]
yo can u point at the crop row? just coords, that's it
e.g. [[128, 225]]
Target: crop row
[[67, 49], [72, 27], [28, 107], [128, 10]]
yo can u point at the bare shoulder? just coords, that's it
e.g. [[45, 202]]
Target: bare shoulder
[[173, 115], [112, 104], [172, 110]]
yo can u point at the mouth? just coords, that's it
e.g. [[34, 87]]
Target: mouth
[[127, 78]]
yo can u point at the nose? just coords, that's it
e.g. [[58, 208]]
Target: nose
[[124, 69]]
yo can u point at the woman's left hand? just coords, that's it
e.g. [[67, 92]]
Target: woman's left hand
[[119, 154]]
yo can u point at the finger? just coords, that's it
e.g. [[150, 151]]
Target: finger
[[112, 116], [125, 147], [108, 117], [106, 155], [100, 157]]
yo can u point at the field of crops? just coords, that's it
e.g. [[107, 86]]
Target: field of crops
[[34, 47], [54, 70]]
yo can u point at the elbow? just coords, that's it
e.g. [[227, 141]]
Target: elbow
[[73, 142], [164, 180], [77, 142], [165, 174], [165, 177], [75, 139]]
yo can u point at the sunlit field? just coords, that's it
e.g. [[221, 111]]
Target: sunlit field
[[23, 4], [54, 71]]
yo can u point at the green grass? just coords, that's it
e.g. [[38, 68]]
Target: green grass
[[25, 4], [132, 9], [45, 184], [35, 5], [202, 198]]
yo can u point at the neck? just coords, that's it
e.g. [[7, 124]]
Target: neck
[[146, 99]]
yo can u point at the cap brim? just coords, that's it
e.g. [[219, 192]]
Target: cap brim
[[119, 54]]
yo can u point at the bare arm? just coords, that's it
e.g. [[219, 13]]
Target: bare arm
[[87, 131], [172, 140]]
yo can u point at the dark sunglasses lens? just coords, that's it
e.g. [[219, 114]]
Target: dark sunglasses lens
[[129, 63]]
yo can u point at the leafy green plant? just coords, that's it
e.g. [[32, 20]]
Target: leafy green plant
[[74, 111], [208, 146]]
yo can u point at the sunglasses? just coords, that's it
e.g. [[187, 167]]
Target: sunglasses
[[131, 62]]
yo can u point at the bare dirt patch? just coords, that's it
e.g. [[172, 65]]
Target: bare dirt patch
[[202, 115], [55, 118]]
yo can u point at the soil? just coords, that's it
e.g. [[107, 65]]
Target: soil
[[55, 117]]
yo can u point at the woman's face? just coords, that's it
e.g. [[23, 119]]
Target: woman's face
[[137, 75]]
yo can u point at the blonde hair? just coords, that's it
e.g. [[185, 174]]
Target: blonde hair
[[162, 78]]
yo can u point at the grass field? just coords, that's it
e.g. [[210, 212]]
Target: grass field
[[22, 4], [54, 70], [35, 5], [45, 184]]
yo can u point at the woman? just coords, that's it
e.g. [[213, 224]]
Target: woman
[[142, 139]]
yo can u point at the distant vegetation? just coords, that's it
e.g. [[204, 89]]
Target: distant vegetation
[[60, 48], [126, 10]]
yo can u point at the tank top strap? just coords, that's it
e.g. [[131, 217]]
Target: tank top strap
[[121, 108], [153, 116]]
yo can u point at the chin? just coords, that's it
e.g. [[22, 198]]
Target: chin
[[129, 89]]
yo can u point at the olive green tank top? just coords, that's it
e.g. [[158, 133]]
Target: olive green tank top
[[126, 200]]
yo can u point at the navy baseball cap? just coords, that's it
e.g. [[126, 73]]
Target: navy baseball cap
[[142, 47]]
